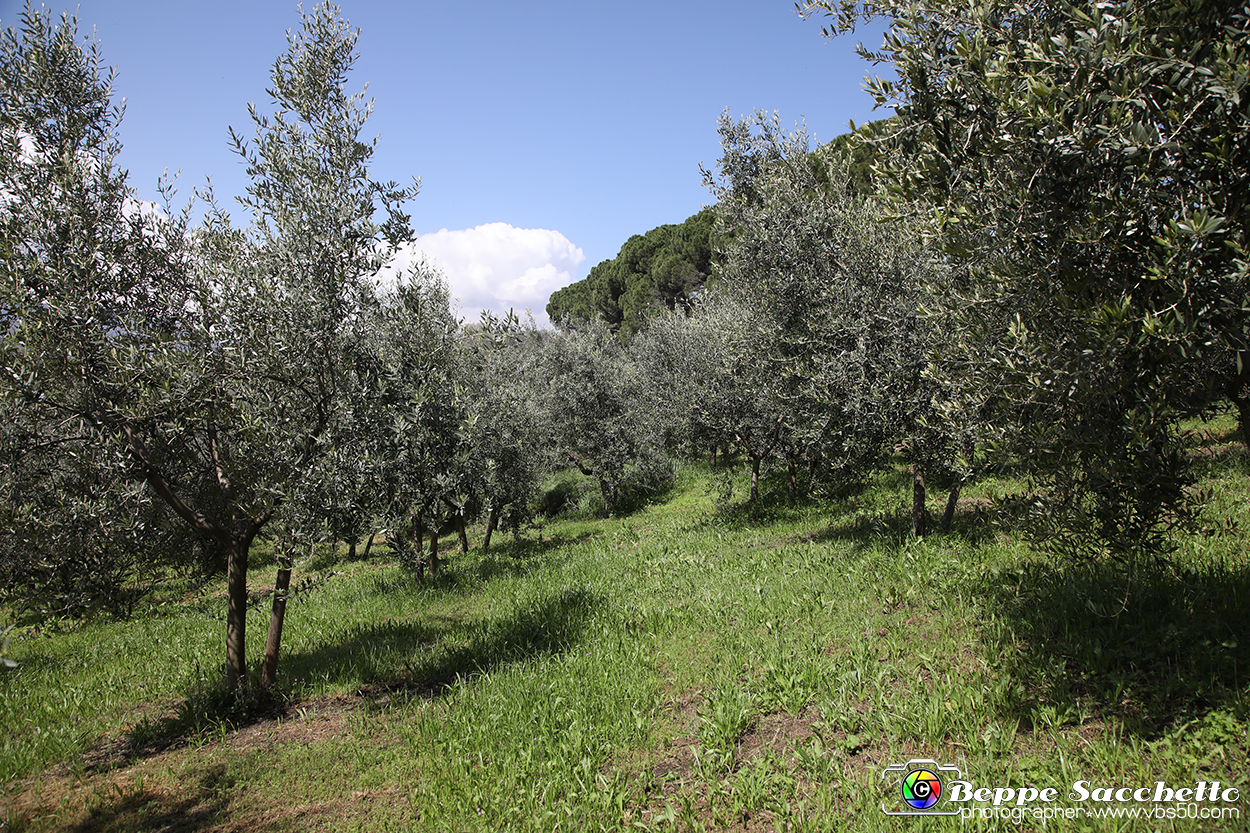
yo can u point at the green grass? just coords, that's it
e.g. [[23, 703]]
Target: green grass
[[681, 668]]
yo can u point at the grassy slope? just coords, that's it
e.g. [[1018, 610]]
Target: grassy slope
[[679, 666]]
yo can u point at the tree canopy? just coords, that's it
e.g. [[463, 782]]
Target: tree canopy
[[664, 268], [1084, 169]]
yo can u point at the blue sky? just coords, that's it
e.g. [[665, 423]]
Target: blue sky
[[544, 133]]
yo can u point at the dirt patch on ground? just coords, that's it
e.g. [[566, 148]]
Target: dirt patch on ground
[[776, 733], [1216, 452], [153, 798], [307, 723], [178, 785], [678, 781]]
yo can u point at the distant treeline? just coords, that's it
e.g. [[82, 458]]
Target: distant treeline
[[668, 266]]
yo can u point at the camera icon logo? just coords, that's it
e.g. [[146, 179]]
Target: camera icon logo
[[920, 787]]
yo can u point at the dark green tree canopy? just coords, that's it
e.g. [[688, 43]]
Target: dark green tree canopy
[[666, 267], [669, 266]]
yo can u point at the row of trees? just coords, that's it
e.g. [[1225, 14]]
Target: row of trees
[[1050, 270], [1013, 268], [173, 385], [808, 352], [1081, 170]]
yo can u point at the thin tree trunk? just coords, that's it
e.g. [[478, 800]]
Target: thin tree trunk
[[369, 544], [236, 611], [280, 586], [755, 477], [606, 492], [1243, 418], [351, 550], [236, 596], [464, 536], [948, 514], [491, 522], [952, 501], [919, 515], [236, 547], [433, 555], [418, 558]]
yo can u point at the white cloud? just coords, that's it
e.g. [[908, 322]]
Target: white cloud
[[146, 209], [28, 153], [498, 267]]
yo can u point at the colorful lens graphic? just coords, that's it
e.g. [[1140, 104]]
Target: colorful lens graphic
[[922, 789]]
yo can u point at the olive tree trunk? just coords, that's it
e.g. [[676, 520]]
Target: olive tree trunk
[[492, 521], [433, 555], [278, 615], [237, 549], [952, 500], [919, 515]]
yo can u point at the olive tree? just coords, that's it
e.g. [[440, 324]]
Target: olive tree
[[415, 387], [315, 251], [504, 429], [1084, 167], [836, 344], [585, 388], [684, 369], [210, 361]]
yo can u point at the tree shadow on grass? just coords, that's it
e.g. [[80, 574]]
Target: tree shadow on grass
[[517, 557], [432, 655], [1167, 646], [774, 505], [975, 523], [206, 808], [869, 514], [867, 530], [1227, 460], [465, 572], [553, 626]]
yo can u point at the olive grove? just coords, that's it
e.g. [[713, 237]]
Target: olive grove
[[1039, 261]]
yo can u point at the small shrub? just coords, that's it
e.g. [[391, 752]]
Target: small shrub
[[635, 484]]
